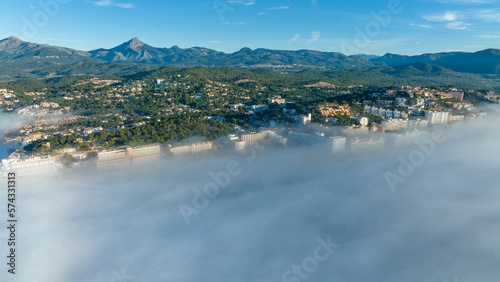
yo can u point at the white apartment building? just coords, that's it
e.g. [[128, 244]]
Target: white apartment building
[[33, 166], [193, 148], [335, 145], [437, 117]]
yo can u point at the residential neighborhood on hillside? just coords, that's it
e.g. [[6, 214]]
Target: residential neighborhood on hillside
[[120, 114]]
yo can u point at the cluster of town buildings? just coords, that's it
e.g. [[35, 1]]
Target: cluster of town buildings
[[414, 109], [7, 98], [326, 141]]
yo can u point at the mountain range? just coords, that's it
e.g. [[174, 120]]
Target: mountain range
[[135, 51], [17, 56], [484, 62]]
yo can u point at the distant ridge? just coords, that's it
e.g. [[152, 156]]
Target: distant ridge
[[483, 62], [15, 53], [14, 48]]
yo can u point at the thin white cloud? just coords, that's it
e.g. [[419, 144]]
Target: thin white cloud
[[446, 17], [466, 1], [486, 15], [458, 25], [315, 35], [295, 37], [241, 2], [262, 13], [474, 47], [421, 25], [488, 36], [215, 42], [233, 23], [279, 8], [109, 3]]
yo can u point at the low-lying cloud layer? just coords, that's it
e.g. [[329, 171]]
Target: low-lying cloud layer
[[273, 219], [9, 122]]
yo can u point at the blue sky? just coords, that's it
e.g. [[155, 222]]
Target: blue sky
[[352, 27]]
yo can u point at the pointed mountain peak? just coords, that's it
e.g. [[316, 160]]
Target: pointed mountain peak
[[135, 42]]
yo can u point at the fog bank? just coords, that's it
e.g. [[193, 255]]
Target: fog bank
[[148, 224]]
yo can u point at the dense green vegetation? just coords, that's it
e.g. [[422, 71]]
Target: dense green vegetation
[[156, 131], [52, 144], [135, 110], [422, 74], [164, 130]]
